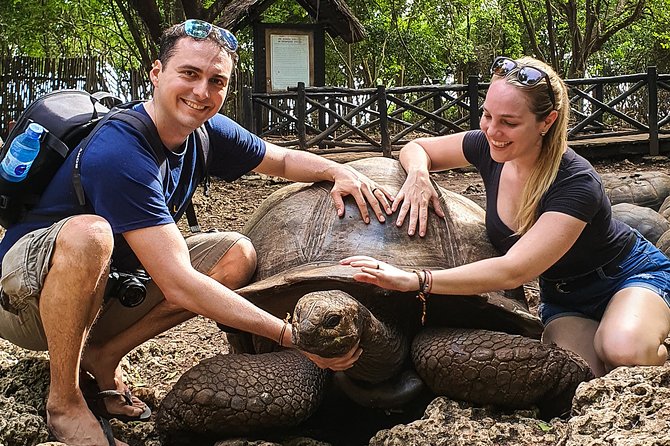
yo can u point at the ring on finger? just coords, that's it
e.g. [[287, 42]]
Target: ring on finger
[[374, 190], [377, 266]]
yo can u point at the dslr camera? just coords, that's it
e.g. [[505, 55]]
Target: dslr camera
[[129, 288]]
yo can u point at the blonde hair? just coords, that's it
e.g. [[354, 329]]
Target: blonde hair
[[554, 142]]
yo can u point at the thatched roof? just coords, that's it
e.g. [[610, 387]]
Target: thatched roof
[[335, 15]]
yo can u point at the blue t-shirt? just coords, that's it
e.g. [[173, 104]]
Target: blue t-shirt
[[123, 184], [577, 191]]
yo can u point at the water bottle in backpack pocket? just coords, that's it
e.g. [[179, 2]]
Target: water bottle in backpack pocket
[[66, 117], [21, 154]]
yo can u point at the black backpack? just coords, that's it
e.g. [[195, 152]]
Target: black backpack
[[70, 117]]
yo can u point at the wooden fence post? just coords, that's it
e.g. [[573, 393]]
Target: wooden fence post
[[473, 95], [300, 115], [599, 93], [437, 103], [247, 108], [652, 79], [259, 115], [383, 121]]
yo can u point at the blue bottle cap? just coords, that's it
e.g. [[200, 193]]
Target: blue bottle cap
[[35, 128]]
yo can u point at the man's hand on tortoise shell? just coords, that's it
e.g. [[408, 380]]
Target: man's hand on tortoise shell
[[364, 191]]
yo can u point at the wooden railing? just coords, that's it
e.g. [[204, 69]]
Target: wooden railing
[[385, 118], [635, 107]]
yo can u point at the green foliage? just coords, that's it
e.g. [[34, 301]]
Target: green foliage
[[23, 27], [644, 43], [286, 11], [409, 42], [57, 28], [568, 35], [412, 43]]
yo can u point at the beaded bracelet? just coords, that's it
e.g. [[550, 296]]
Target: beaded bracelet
[[283, 329], [429, 281], [423, 286], [421, 279]]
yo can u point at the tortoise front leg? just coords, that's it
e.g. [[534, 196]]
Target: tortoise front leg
[[240, 394], [489, 367]]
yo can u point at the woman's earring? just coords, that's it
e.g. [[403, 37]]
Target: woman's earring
[[543, 134]]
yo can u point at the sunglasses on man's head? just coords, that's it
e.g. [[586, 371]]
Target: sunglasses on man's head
[[526, 75], [199, 29]]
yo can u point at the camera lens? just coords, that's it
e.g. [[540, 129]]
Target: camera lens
[[128, 288], [131, 292]]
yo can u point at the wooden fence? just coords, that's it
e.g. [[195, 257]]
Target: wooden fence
[[382, 118], [633, 107], [24, 79]]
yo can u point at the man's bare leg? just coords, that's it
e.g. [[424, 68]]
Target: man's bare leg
[[233, 270], [69, 301]]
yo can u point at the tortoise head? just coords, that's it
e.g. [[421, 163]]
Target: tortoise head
[[327, 323]]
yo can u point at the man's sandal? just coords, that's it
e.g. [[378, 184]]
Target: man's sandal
[[97, 406]]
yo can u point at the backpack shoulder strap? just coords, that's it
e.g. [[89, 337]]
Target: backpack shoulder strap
[[204, 155], [202, 143], [139, 122]]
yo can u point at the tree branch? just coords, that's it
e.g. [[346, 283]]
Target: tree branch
[[616, 27], [530, 28], [215, 10], [192, 9], [350, 73], [553, 50], [148, 11], [147, 55]]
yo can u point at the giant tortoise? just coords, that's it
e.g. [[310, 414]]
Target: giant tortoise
[[478, 348]]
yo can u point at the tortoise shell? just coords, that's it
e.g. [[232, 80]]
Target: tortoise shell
[[663, 243], [648, 222], [300, 240], [664, 210], [647, 189]]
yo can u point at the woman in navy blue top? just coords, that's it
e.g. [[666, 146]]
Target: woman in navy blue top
[[603, 287]]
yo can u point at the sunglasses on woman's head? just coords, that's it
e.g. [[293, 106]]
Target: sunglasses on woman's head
[[199, 29], [526, 75]]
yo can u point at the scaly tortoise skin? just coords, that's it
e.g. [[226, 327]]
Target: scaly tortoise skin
[[239, 394], [487, 344], [476, 365]]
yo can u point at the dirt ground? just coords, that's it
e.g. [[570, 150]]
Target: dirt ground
[[155, 366]]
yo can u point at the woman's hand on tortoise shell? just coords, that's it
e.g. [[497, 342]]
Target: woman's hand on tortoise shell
[[414, 199], [336, 364], [382, 274]]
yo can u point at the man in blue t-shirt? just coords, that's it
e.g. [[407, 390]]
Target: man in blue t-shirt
[[55, 270]]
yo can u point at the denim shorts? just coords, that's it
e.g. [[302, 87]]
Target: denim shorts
[[645, 266]]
